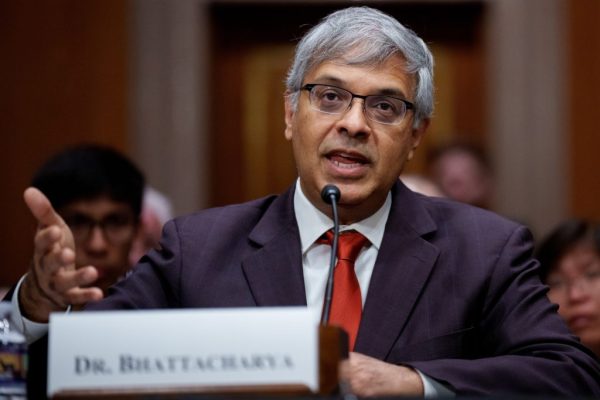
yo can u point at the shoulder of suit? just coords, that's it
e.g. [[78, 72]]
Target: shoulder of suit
[[247, 209], [443, 209]]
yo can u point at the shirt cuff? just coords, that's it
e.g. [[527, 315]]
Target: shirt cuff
[[30, 329], [433, 388]]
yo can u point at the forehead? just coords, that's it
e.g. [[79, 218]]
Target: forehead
[[578, 259], [96, 208], [389, 77]]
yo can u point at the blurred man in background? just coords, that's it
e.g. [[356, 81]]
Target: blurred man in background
[[463, 172], [97, 193]]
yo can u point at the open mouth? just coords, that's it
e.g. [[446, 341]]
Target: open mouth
[[346, 160]]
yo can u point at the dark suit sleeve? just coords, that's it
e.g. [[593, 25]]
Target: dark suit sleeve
[[523, 346]]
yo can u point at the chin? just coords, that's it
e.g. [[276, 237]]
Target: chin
[[354, 193]]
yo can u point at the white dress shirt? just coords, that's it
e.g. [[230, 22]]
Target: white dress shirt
[[30, 329]]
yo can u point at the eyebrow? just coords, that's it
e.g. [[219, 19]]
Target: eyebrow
[[335, 81]]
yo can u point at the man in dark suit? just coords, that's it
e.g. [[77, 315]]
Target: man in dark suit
[[449, 298]]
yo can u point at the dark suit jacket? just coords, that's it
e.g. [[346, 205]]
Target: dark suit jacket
[[454, 291]]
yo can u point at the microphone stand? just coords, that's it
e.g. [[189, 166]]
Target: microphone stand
[[333, 341], [331, 194]]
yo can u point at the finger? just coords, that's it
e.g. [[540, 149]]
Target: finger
[[45, 264], [40, 207], [80, 296], [344, 370], [49, 268], [45, 239], [62, 287], [65, 280], [43, 284]]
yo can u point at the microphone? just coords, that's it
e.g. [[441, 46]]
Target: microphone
[[331, 195]]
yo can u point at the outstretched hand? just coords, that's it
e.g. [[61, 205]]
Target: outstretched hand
[[53, 282]]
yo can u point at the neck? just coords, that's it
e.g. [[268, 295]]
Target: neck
[[348, 213]]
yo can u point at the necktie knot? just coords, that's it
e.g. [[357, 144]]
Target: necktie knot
[[350, 244]]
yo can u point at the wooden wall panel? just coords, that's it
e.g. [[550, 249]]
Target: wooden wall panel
[[63, 79], [584, 133]]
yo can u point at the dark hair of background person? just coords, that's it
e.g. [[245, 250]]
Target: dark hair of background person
[[89, 171], [562, 239]]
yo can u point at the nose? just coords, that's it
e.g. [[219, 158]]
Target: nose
[[578, 291], [97, 240], [354, 121]]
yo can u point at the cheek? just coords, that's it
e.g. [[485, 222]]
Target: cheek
[[394, 153], [119, 257], [597, 302], [556, 299], [124, 249], [307, 141], [563, 306], [563, 311], [80, 259]]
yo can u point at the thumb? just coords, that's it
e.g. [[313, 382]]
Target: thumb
[[40, 207]]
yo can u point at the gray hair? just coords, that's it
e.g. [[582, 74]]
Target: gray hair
[[364, 36]]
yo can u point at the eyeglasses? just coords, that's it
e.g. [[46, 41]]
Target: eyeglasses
[[388, 110], [117, 228], [586, 281]]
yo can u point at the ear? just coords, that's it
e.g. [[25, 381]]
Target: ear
[[417, 135], [289, 115]]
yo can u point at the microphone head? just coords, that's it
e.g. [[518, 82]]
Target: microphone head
[[328, 191]]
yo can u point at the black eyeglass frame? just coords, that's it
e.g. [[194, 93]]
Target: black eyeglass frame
[[409, 106], [116, 228]]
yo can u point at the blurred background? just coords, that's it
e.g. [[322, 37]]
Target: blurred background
[[192, 91]]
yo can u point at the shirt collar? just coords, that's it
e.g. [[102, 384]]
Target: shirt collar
[[312, 223]]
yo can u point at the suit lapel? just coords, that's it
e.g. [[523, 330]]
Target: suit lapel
[[274, 269], [403, 265]]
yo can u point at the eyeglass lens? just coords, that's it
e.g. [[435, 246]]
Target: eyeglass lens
[[586, 280], [115, 227]]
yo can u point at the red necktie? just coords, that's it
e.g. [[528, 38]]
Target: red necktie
[[346, 304]]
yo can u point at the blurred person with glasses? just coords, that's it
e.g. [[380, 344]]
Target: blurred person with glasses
[[97, 193], [570, 259]]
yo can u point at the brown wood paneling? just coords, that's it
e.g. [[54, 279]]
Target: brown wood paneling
[[63, 80], [584, 134]]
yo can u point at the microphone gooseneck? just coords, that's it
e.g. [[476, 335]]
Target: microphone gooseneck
[[331, 195]]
